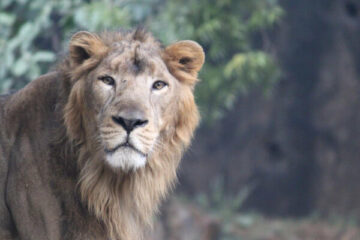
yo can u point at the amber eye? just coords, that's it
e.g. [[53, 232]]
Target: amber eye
[[159, 85], [107, 80]]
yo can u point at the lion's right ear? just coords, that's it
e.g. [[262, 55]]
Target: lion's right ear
[[84, 45]]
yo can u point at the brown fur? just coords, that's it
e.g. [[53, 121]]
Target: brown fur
[[123, 202]]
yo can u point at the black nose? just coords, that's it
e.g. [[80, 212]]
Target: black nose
[[129, 123]]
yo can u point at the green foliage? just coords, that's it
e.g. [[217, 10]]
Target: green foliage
[[225, 207], [220, 202], [32, 31], [98, 16]]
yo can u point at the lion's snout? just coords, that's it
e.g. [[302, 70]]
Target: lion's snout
[[129, 124], [128, 137], [130, 118]]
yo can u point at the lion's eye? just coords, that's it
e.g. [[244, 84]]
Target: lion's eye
[[107, 80], [159, 85]]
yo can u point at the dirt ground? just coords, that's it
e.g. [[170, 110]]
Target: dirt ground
[[188, 221], [285, 229]]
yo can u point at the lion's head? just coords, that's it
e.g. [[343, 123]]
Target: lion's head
[[132, 112]]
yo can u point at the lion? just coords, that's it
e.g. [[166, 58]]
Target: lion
[[89, 150]]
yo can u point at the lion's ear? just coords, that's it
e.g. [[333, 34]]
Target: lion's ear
[[184, 60], [85, 45]]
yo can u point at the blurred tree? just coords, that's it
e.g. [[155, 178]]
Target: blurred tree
[[226, 29], [32, 30]]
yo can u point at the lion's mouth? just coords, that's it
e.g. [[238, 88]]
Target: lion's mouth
[[124, 145]]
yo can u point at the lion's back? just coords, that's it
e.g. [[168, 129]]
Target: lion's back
[[4, 215], [3, 140]]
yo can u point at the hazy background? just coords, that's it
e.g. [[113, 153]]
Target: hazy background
[[277, 156]]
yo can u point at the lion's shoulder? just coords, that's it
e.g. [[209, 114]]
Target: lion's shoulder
[[28, 111]]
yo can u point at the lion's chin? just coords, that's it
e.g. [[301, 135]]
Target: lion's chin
[[126, 159]]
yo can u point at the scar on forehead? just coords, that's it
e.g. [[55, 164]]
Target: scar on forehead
[[115, 62], [134, 61]]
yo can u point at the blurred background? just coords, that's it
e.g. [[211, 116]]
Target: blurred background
[[277, 154]]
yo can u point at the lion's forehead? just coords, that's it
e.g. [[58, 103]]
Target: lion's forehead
[[134, 58]]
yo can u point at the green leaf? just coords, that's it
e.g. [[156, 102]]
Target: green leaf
[[5, 3], [43, 56], [20, 67], [97, 16], [6, 18]]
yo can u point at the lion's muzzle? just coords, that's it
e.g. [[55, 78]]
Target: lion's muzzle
[[130, 119], [127, 150]]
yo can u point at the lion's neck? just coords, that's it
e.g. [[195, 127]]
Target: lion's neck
[[125, 202]]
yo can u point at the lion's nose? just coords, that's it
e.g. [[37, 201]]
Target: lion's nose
[[130, 120]]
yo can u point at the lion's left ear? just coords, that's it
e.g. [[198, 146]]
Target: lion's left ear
[[184, 60], [84, 45]]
